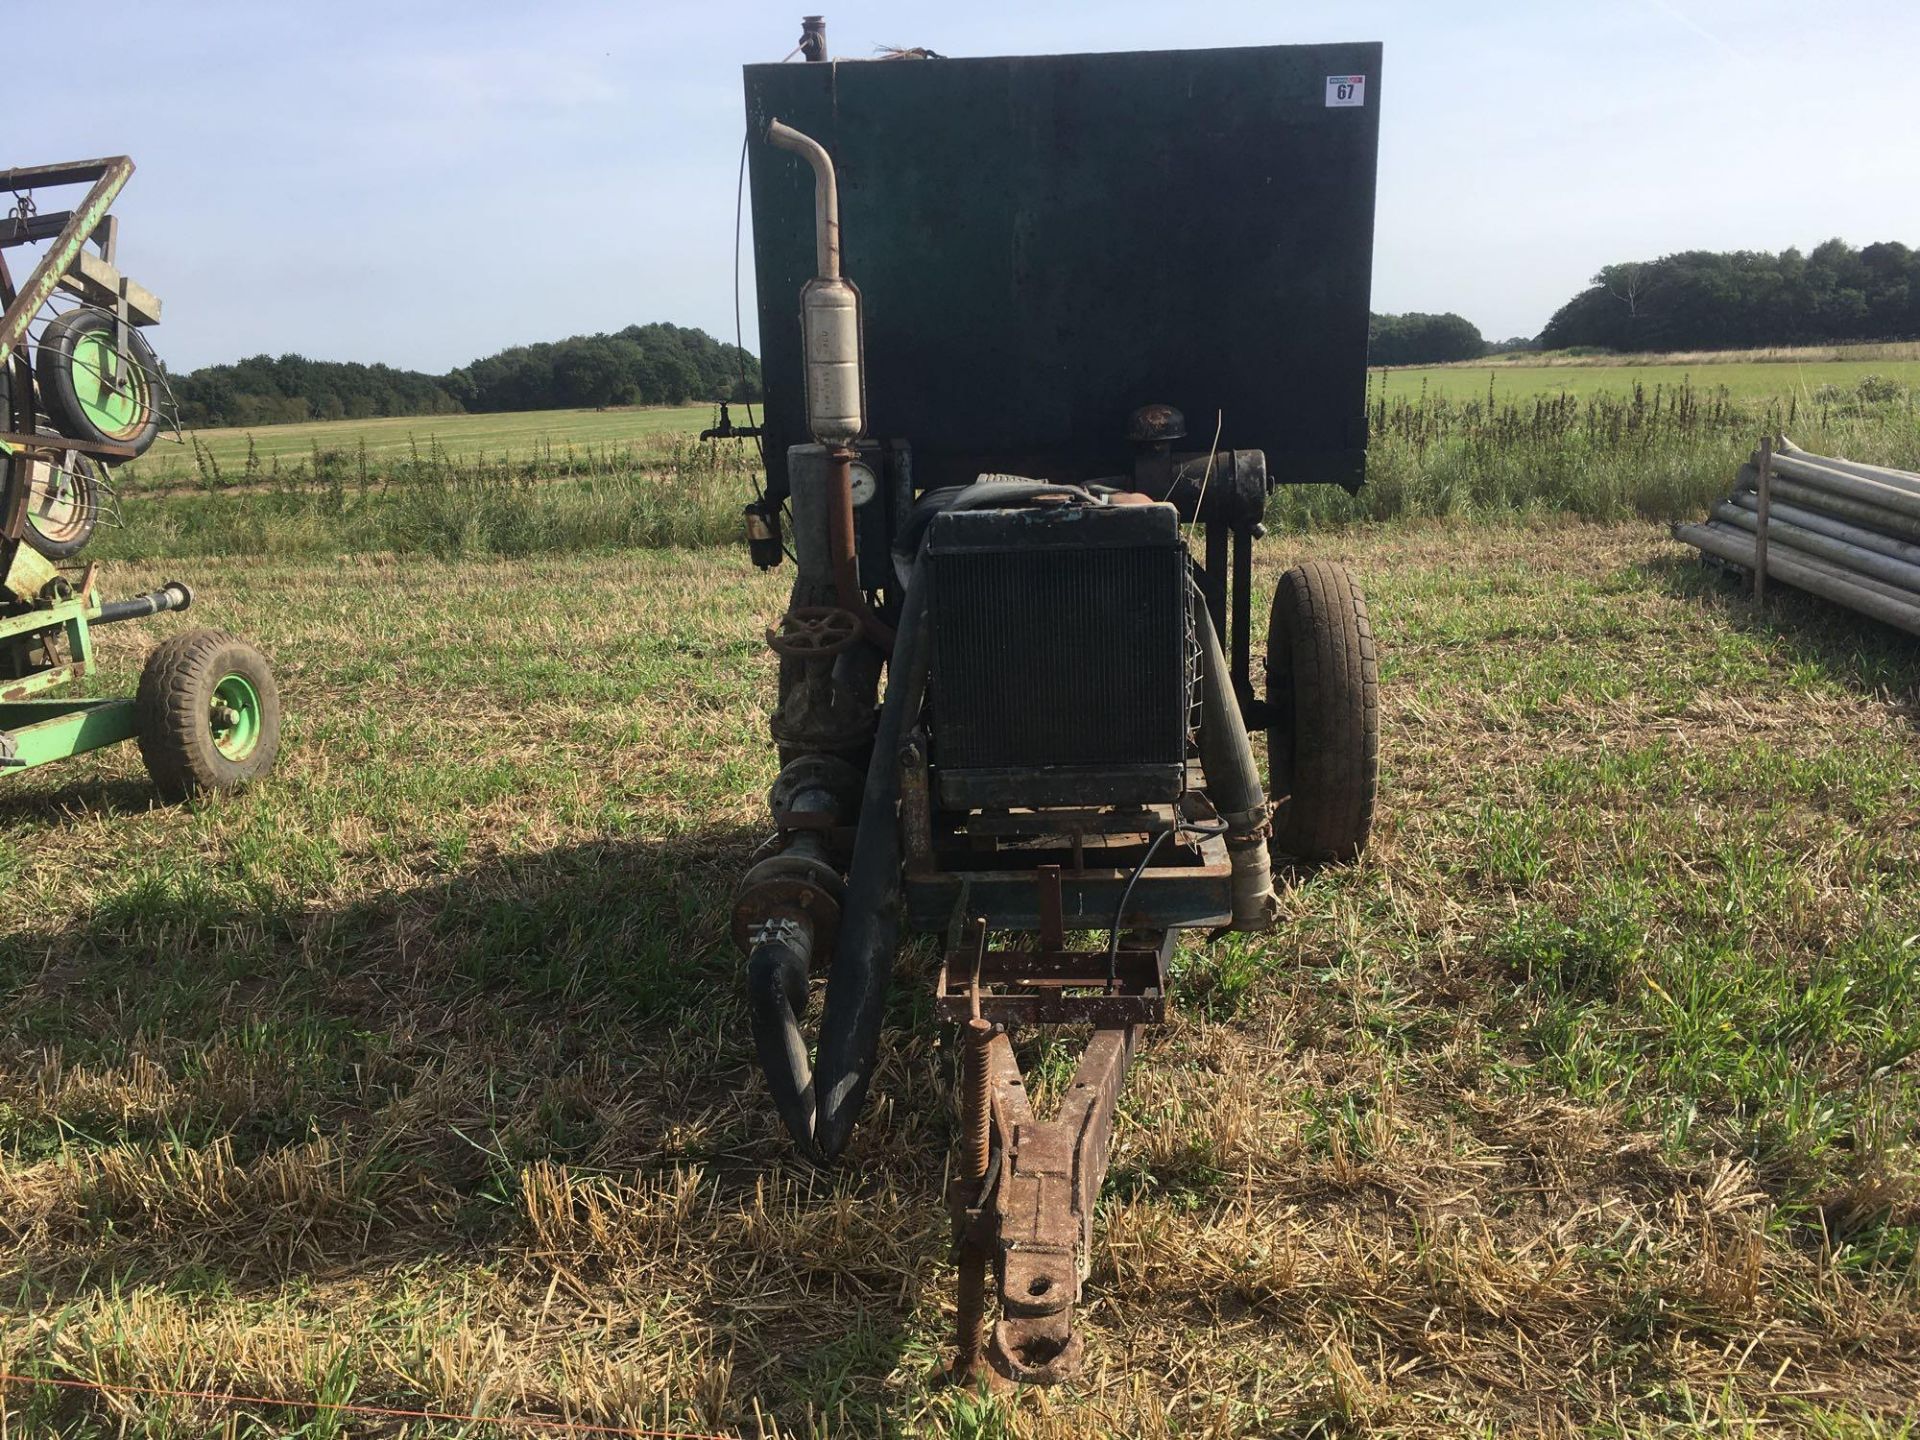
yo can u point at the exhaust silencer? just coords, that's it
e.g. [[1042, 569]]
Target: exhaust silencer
[[829, 308]]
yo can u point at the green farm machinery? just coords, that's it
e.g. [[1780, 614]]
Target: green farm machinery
[[81, 392]]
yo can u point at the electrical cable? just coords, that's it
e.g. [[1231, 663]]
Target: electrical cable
[[1120, 910], [1183, 827]]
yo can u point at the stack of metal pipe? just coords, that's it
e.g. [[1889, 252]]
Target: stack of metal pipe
[[1844, 531]]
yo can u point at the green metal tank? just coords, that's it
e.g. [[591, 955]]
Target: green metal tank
[[1044, 244]]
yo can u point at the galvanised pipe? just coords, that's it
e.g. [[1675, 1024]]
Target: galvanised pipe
[[1860, 512], [1839, 529], [1824, 566], [1852, 487], [1840, 552], [1887, 474], [1737, 548]]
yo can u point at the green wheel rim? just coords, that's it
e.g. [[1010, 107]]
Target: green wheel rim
[[234, 717], [56, 501], [111, 387]]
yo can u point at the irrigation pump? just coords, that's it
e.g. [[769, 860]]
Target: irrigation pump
[[81, 392], [1040, 336]]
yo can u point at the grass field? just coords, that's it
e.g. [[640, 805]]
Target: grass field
[[1744, 380], [523, 435], [519, 434], [1585, 1104]]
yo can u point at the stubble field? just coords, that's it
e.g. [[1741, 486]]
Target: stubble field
[[1585, 1103]]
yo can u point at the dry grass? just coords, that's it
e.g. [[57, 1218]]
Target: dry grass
[[1585, 1105], [1884, 350]]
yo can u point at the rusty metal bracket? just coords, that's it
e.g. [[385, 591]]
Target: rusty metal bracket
[[1042, 1204], [1057, 987], [1024, 1205]]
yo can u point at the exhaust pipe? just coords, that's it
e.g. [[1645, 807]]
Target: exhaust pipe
[[836, 386], [829, 308]]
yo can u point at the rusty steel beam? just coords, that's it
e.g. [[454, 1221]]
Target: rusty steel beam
[[1050, 1176]]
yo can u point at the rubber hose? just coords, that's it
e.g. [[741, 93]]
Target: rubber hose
[[776, 998], [870, 921]]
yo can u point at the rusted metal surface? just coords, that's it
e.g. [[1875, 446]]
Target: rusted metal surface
[[813, 38], [818, 712], [814, 632], [971, 1252], [1049, 1177], [1052, 926], [1156, 425], [1057, 987], [846, 563], [916, 806]]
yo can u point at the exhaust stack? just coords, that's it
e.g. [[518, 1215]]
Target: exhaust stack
[[829, 308]]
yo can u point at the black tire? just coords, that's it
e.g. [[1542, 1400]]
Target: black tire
[[1323, 690], [189, 746], [71, 385], [63, 504]]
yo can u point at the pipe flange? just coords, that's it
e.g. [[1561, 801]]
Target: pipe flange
[[789, 887], [1033, 1352], [817, 772]]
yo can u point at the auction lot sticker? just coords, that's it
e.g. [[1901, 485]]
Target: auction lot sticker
[[1346, 90]]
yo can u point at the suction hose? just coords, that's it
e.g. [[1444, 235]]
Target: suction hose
[[870, 914], [1233, 780], [777, 968]]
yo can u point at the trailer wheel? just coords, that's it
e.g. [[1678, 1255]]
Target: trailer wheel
[[1323, 693], [63, 504], [93, 388], [208, 713]]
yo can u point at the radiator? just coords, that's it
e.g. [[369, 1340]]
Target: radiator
[[1062, 662]]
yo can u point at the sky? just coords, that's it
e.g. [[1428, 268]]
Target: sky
[[422, 183]]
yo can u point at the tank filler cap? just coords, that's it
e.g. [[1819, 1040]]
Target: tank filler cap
[[1156, 425]]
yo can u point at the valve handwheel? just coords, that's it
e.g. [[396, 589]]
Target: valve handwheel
[[814, 632]]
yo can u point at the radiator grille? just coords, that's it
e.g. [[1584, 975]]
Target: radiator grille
[[1060, 655]]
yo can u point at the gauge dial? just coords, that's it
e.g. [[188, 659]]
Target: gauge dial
[[865, 483]]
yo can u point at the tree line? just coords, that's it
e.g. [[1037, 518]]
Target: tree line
[[641, 365], [1739, 299]]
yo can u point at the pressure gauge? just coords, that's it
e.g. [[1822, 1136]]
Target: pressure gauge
[[864, 482]]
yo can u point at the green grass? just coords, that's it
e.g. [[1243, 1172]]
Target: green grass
[[1742, 380], [518, 435], [1586, 1103], [1659, 454]]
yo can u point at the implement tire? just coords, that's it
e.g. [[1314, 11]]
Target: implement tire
[[208, 712], [94, 390], [63, 504], [1323, 693]]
